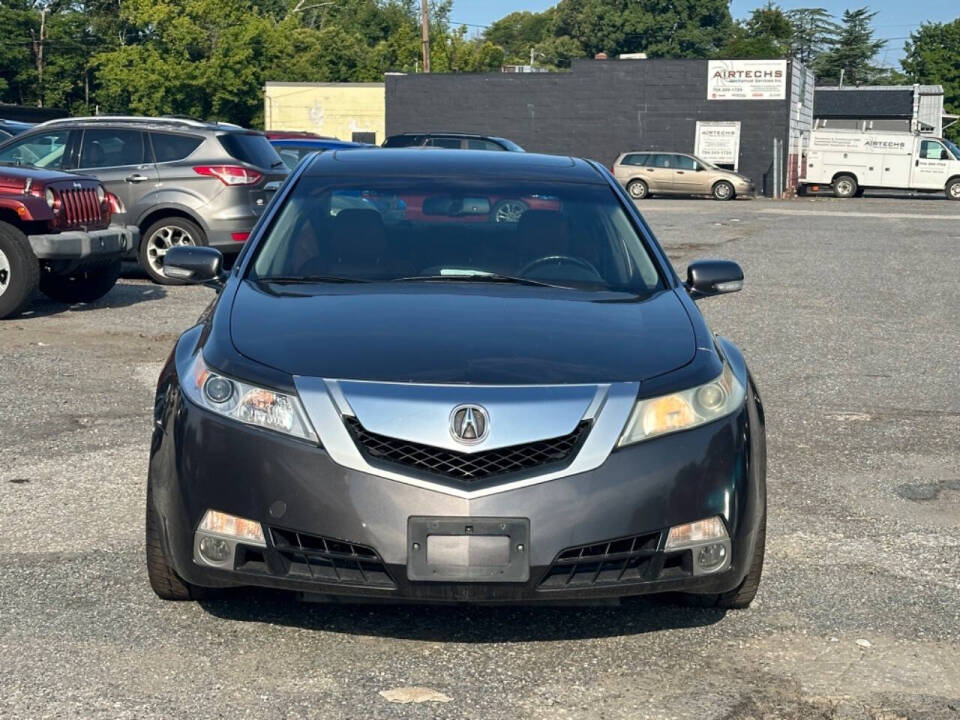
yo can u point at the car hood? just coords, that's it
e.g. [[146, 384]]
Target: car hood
[[460, 333]]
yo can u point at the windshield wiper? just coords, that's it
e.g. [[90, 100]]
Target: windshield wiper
[[306, 279], [482, 277]]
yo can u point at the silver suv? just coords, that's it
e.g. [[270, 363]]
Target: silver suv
[[181, 181]]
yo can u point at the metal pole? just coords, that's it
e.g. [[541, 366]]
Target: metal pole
[[425, 34]]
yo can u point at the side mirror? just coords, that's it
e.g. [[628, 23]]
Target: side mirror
[[713, 277], [194, 264]]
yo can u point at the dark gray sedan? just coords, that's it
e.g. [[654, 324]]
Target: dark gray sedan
[[404, 399]]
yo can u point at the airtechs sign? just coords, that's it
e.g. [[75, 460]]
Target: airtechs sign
[[746, 79]]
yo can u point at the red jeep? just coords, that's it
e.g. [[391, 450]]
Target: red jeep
[[55, 234]]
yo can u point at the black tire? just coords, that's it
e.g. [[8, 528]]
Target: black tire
[[179, 231], [723, 190], [85, 286], [19, 271], [742, 595], [163, 578], [859, 192], [952, 189], [845, 186], [637, 189]]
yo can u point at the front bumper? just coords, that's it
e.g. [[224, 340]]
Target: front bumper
[[83, 244], [331, 530]]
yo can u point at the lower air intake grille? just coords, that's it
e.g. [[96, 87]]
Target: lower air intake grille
[[631, 559], [330, 561], [468, 466]]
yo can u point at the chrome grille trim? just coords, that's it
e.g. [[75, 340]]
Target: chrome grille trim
[[610, 417]]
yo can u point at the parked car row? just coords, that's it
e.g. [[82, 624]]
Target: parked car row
[[179, 181], [169, 182]]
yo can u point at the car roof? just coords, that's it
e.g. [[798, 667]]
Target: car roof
[[436, 162], [315, 142], [444, 134], [151, 123]]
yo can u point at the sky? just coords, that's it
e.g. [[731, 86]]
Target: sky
[[895, 18]]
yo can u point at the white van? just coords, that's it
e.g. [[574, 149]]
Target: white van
[[851, 160]]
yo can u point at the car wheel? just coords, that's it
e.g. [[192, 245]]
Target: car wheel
[[509, 211], [163, 578], [953, 189], [19, 271], [637, 189], [723, 191], [83, 287], [844, 186], [159, 238]]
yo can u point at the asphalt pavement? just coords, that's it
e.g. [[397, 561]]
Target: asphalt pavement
[[850, 319]]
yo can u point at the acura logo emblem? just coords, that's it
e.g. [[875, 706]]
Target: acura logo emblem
[[469, 424]]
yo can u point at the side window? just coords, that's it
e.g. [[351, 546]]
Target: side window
[[168, 147], [111, 148], [42, 150], [475, 144], [685, 163], [635, 159], [452, 143], [664, 161], [932, 150], [290, 157]]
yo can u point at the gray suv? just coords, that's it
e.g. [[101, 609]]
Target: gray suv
[[181, 181]]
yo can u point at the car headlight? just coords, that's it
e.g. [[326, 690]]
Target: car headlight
[[683, 410], [50, 197], [246, 403], [101, 194]]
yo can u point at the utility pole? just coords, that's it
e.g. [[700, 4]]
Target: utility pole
[[425, 33], [38, 51]]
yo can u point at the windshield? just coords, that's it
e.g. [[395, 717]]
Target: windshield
[[953, 148], [415, 230]]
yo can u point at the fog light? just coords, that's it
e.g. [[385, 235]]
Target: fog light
[[696, 533], [214, 549], [712, 555], [231, 526]]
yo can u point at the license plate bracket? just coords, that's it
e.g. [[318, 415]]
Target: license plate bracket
[[468, 549]]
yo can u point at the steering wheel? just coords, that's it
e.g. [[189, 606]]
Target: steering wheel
[[560, 259]]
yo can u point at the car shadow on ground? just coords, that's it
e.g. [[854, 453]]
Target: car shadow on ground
[[123, 294], [461, 623]]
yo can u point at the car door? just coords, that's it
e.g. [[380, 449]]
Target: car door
[[931, 167], [687, 177], [658, 172], [121, 159]]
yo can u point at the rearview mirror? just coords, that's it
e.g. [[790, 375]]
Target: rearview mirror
[[713, 277], [193, 264]]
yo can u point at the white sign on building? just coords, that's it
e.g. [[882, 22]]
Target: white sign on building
[[719, 143], [746, 79]]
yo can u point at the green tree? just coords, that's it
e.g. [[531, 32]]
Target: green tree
[[852, 52], [814, 32], [660, 28], [517, 32], [766, 33], [932, 57]]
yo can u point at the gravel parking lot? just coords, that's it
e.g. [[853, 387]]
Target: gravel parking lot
[[850, 321]]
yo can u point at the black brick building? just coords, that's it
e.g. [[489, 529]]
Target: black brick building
[[602, 108]]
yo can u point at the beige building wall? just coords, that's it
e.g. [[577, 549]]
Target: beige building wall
[[334, 109]]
